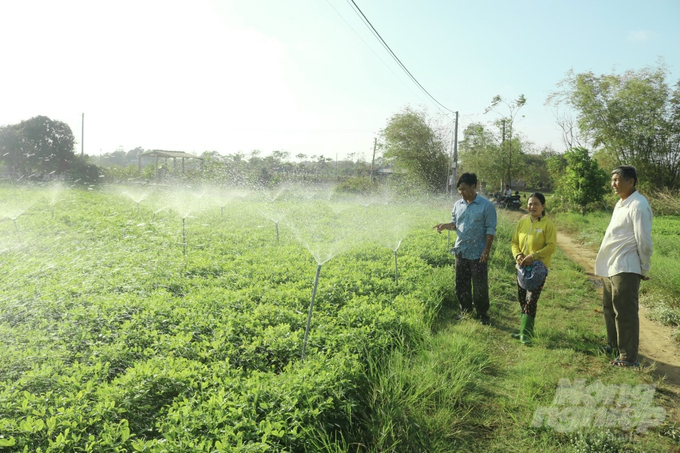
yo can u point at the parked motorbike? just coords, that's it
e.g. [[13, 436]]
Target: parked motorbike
[[512, 202]]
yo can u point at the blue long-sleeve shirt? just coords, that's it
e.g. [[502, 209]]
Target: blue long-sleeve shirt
[[473, 222]]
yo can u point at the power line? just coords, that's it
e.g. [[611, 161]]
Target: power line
[[371, 49], [382, 41]]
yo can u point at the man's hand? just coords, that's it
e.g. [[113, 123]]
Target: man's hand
[[444, 226], [485, 257], [645, 277]]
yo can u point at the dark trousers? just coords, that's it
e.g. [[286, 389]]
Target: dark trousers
[[620, 307], [528, 301], [472, 285]]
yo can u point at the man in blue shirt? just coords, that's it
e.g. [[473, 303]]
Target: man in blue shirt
[[474, 220]]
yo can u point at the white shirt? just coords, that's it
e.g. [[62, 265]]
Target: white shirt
[[627, 243]]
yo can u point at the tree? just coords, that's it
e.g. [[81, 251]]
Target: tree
[[482, 151], [534, 169], [583, 180], [633, 117], [414, 147], [479, 151], [508, 149], [557, 166], [133, 154], [37, 145]]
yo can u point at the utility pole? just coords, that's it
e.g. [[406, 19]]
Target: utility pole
[[503, 147], [452, 177], [455, 156], [375, 145], [82, 137]]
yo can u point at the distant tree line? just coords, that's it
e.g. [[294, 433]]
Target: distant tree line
[[610, 120], [41, 149], [237, 169]]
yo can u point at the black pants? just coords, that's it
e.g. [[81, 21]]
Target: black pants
[[472, 285]]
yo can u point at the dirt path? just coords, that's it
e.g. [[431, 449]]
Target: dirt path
[[656, 341], [657, 346]]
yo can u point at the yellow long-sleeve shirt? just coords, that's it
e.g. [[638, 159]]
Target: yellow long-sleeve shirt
[[538, 238]]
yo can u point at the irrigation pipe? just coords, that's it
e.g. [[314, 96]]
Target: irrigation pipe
[[311, 307]]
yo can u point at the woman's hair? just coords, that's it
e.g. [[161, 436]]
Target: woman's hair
[[541, 198]]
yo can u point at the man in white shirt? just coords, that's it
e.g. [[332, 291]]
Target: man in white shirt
[[624, 260]]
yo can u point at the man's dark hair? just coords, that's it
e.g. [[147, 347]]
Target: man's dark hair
[[626, 172], [467, 178]]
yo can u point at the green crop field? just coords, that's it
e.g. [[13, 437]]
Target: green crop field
[[166, 320], [133, 318]]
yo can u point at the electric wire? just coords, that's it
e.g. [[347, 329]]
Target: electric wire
[[367, 45], [394, 56]]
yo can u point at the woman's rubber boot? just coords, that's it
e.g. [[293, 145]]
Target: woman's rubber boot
[[527, 331], [518, 336]]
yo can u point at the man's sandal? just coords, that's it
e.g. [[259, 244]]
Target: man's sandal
[[624, 363]]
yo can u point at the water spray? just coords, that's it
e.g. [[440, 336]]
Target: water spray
[[311, 308]]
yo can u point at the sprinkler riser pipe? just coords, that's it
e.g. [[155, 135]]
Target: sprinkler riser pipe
[[396, 269], [184, 238], [311, 308]]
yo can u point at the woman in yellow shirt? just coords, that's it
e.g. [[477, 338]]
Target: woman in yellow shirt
[[534, 239]]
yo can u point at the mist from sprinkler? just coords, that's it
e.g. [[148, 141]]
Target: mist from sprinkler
[[53, 193], [227, 197], [186, 203], [389, 228], [15, 210], [274, 212], [135, 195], [314, 226]]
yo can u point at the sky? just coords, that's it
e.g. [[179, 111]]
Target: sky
[[308, 76]]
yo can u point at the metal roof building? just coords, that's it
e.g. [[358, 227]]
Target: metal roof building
[[159, 153]]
